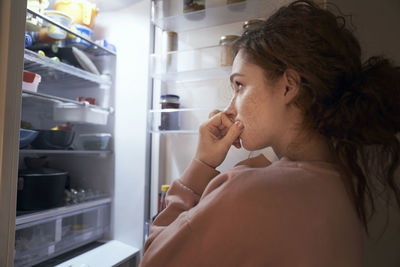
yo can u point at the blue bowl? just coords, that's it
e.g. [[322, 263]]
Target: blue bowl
[[26, 137]]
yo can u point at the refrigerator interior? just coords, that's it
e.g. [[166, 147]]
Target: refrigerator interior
[[110, 183]]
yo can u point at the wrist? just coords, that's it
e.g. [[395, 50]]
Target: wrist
[[205, 162]]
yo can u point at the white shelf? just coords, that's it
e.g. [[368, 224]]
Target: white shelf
[[116, 251], [189, 65], [41, 215], [55, 73], [213, 15], [64, 152]]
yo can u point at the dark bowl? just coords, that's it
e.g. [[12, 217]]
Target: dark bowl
[[53, 139], [26, 137]]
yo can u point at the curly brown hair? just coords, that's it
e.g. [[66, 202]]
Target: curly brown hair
[[355, 105]]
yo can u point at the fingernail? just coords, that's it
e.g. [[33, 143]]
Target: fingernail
[[239, 124]]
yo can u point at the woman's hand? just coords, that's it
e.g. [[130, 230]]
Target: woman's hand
[[216, 137]]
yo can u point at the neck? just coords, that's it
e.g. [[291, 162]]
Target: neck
[[309, 147]]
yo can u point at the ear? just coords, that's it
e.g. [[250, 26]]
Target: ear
[[291, 80]]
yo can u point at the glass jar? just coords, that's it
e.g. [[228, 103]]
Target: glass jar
[[250, 25], [170, 119], [239, 7], [193, 5], [227, 55], [170, 44]]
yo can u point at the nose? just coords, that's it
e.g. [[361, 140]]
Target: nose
[[230, 110]]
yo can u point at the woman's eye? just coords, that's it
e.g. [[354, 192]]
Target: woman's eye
[[238, 86]]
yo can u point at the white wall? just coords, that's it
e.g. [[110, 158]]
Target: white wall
[[377, 27]]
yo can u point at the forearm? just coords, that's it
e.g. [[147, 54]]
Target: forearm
[[183, 195]]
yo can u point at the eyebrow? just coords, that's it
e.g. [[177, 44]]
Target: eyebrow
[[233, 75]]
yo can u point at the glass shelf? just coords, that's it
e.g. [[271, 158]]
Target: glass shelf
[[178, 121], [189, 65], [56, 73], [168, 15], [56, 99], [94, 45], [193, 132], [195, 75], [64, 152]]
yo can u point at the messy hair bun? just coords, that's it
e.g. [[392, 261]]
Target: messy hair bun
[[355, 105]]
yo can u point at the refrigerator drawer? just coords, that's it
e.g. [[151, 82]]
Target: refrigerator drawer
[[40, 240]]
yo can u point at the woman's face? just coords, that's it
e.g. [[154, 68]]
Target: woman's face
[[259, 104]]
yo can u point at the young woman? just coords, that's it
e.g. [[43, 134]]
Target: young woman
[[300, 87]]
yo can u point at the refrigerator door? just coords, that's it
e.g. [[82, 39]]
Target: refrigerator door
[[12, 24]]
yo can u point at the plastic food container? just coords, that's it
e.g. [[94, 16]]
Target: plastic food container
[[82, 11], [53, 31], [26, 137], [33, 23], [84, 31], [99, 141], [31, 81], [79, 114]]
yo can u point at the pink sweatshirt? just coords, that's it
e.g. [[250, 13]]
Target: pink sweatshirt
[[289, 214]]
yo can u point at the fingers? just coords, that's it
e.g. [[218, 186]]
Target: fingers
[[221, 121], [220, 124], [232, 136], [213, 113]]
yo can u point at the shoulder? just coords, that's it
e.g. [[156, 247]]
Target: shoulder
[[300, 187], [280, 175]]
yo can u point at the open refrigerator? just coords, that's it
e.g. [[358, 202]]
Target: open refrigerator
[[112, 192]]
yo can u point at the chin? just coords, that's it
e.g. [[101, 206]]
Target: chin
[[248, 145], [251, 146]]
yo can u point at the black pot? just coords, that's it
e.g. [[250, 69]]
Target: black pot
[[52, 139], [41, 189]]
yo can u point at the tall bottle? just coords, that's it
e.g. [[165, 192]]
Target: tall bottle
[[162, 204]]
